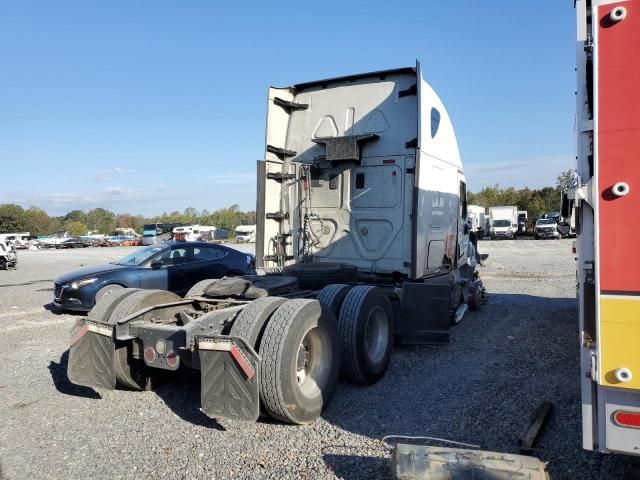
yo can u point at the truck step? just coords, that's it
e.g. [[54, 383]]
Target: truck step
[[277, 216], [288, 106], [279, 176]]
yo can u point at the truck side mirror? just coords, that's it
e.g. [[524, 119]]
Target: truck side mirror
[[466, 228]]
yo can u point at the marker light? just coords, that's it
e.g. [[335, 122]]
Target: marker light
[[627, 419]]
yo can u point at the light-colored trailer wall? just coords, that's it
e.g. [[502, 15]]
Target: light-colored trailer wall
[[395, 210]]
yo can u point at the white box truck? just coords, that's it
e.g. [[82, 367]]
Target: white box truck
[[478, 219], [503, 222], [362, 237]]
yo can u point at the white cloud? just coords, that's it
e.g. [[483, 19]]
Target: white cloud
[[107, 173]]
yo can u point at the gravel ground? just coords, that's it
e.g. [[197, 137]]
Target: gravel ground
[[502, 362]]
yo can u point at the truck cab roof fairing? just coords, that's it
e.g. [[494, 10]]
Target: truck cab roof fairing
[[437, 136], [380, 74]]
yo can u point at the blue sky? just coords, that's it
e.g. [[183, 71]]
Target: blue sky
[[153, 106]]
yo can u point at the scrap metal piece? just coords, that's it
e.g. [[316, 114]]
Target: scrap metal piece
[[419, 462], [529, 436]]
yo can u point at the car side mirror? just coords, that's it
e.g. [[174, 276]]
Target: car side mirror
[[155, 264]]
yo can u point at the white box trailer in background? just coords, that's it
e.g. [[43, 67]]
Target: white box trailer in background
[[478, 217], [503, 222], [362, 239]]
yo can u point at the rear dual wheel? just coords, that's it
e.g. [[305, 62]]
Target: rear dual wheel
[[366, 328], [300, 350], [130, 372]]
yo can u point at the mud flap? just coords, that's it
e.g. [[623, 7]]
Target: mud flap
[[92, 356], [229, 370]]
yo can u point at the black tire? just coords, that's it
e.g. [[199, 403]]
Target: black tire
[[536, 236], [333, 295], [365, 352], [199, 288], [314, 276], [104, 308], [493, 237], [131, 372], [300, 352], [475, 297], [3, 264], [251, 322], [106, 291]]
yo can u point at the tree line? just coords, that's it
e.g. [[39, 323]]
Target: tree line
[[14, 218], [534, 201]]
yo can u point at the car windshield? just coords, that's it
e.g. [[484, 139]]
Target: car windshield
[[546, 221], [140, 256], [502, 223]]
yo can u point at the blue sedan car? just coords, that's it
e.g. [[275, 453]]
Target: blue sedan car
[[173, 266]]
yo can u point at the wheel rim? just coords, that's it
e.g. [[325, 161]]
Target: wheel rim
[[313, 362], [376, 334]]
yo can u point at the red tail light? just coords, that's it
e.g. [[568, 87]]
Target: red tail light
[[627, 419], [172, 359], [149, 354]]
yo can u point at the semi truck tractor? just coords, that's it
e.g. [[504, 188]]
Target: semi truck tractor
[[503, 222], [478, 219], [361, 240], [606, 198]]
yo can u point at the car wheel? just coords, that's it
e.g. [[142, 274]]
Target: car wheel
[[106, 291]]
